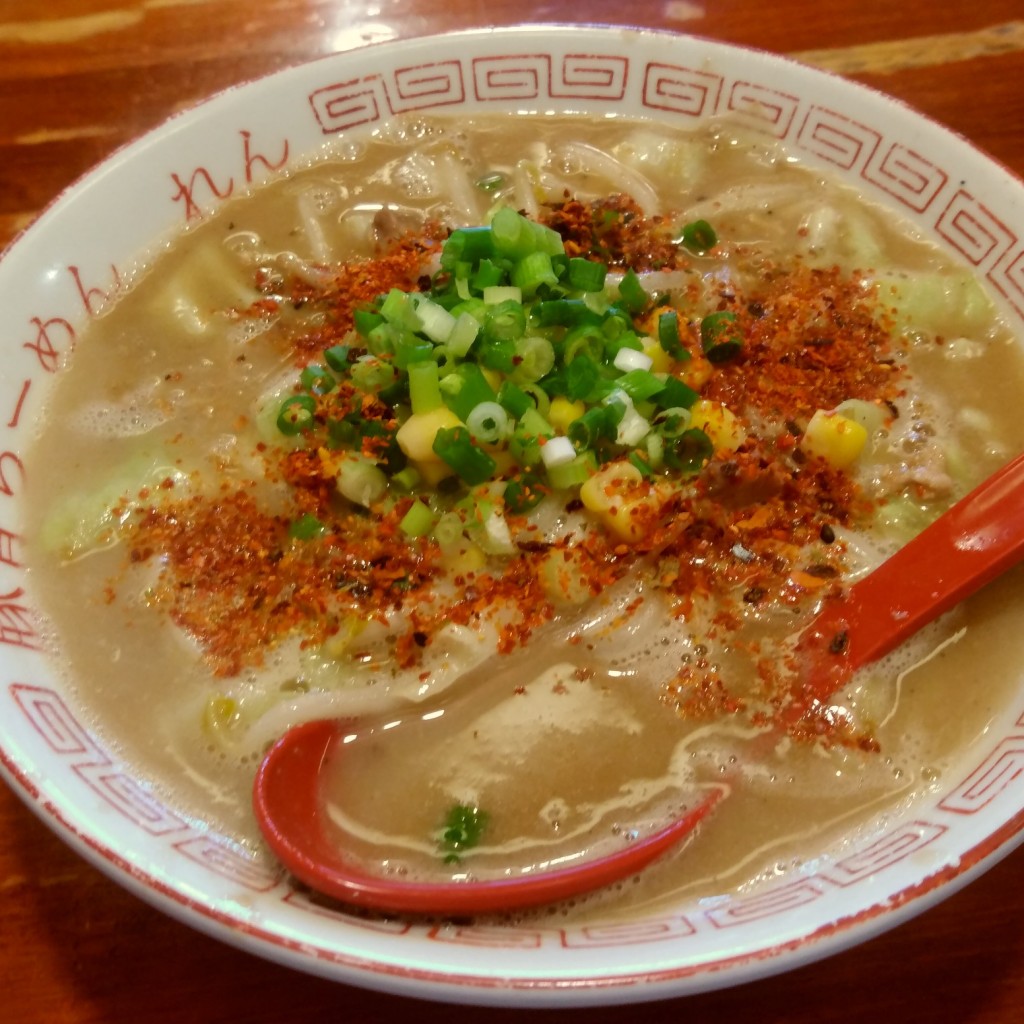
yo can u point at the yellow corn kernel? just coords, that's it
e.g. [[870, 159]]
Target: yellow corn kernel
[[562, 580], [563, 412], [432, 473], [720, 423], [661, 361], [416, 435], [833, 437], [492, 377], [696, 373], [615, 496], [465, 559], [219, 714]]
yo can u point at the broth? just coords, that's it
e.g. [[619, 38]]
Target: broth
[[614, 700]]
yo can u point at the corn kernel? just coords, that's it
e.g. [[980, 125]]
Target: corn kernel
[[661, 361], [416, 435], [563, 412], [492, 377], [616, 497], [220, 713], [562, 580], [720, 423], [696, 373], [833, 437], [465, 559]]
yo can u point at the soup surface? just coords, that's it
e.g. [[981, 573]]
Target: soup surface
[[530, 447]]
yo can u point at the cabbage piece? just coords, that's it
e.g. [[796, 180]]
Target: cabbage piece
[[646, 150], [198, 292], [946, 305], [87, 521], [847, 238]]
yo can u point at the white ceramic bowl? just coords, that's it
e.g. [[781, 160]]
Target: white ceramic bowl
[[62, 270]]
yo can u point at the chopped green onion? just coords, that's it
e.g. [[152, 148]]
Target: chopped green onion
[[317, 380], [463, 828], [371, 374], [488, 422], [455, 447], [424, 388], [534, 357], [448, 530], [399, 310], [557, 451], [689, 451], [296, 414], [640, 385], [514, 399], [596, 424], [699, 236], [515, 236], [581, 377], [627, 359], [465, 388], [631, 292], [668, 335], [720, 336], [505, 321], [573, 473], [586, 275], [488, 275], [438, 323], [496, 294], [616, 321], [533, 422], [406, 479], [586, 339], [523, 493], [467, 245], [306, 527], [418, 521], [342, 433], [362, 482], [632, 426], [642, 464], [675, 393], [411, 348], [365, 320], [655, 445], [533, 271], [672, 423], [337, 359], [565, 313]]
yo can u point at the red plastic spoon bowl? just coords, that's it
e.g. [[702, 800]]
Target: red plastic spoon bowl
[[979, 538], [291, 815]]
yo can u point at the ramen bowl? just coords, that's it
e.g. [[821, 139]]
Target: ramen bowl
[[61, 274]]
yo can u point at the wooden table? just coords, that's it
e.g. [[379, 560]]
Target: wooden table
[[80, 77]]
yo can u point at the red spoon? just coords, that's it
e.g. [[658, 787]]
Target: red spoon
[[979, 538], [289, 809]]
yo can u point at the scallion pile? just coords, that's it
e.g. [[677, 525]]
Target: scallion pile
[[521, 370]]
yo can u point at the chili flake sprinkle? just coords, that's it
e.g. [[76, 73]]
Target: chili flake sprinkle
[[739, 517]]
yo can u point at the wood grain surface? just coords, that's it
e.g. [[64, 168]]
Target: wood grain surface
[[79, 78]]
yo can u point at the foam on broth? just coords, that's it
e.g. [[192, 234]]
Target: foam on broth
[[571, 735]]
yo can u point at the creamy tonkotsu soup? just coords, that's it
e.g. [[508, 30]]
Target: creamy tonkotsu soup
[[529, 446]]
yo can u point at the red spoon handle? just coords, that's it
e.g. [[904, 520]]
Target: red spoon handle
[[970, 545], [288, 804]]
